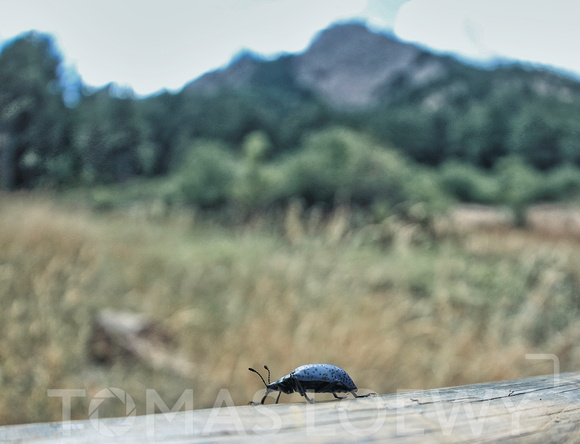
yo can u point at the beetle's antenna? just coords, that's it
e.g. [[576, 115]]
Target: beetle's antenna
[[255, 371], [266, 367]]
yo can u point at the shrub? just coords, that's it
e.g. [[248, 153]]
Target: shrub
[[207, 175], [468, 183], [340, 166], [561, 183]]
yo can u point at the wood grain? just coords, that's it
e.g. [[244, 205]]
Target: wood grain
[[541, 409]]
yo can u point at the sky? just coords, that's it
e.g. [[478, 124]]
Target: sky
[[151, 45]]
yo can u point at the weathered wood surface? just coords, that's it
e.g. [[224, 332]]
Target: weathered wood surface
[[539, 410]]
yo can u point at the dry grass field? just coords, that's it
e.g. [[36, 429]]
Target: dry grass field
[[396, 306]]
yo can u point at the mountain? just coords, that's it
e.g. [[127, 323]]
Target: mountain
[[346, 66], [349, 67]]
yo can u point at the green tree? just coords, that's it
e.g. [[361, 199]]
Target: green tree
[[111, 137], [518, 186], [536, 137], [34, 137], [254, 182], [478, 136], [168, 125]]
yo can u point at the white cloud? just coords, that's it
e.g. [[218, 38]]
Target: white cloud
[[381, 14]]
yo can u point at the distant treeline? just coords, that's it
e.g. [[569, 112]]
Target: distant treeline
[[503, 136]]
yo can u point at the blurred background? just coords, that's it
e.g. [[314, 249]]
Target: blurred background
[[189, 189]]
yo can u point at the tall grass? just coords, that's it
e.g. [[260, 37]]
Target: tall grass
[[397, 307]]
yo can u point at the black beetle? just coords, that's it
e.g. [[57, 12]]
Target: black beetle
[[317, 378]]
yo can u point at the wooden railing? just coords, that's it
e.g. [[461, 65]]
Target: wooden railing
[[540, 409]]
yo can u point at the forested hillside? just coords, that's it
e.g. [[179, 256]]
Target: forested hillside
[[358, 118]]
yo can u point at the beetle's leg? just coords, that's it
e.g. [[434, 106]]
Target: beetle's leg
[[265, 396], [262, 401], [329, 388], [364, 396], [303, 392], [278, 398]]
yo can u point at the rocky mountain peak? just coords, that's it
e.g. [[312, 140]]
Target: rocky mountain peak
[[348, 64]]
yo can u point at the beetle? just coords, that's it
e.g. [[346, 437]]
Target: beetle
[[318, 378]]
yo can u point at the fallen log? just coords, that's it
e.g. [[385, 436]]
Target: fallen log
[[121, 335]]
